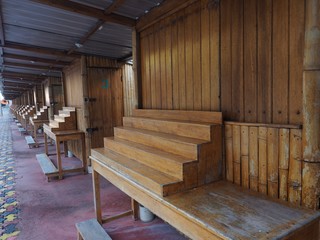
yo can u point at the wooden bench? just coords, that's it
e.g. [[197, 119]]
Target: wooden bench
[[30, 141], [91, 230], [48, 168]]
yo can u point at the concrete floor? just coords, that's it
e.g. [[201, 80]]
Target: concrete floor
[[49, 210]]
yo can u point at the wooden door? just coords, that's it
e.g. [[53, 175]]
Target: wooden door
[[57, 98], [105, 103]]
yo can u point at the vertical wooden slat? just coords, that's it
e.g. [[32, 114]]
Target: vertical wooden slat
[[189, 57], [236, 154], [264, 53], [169, 53], [280, 61], [237, 60], [250, 60], [229, 152], [215, 56], [182, 61], [205, 56], [273, 162], [226, 77], [283, 163], [253, 158], [163, 66], [175, 65], [157, 80], [263, 159], [245, 156], [152, 60], [295, 167], [296, 47], [197, 79]]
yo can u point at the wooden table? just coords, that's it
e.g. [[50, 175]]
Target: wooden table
[[36, 124], [64, 136]]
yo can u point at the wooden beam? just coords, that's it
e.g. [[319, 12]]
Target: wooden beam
[[34, 66], [89, 11], [311, 107], [23, 75], [23, 81], [42, 50], [165, 9], [34, 59], [15, 88]]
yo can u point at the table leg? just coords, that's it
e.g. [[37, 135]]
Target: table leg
[[84, 154], [96, 195], [135, 209], [65, 148], [59, 158], [45, 143]]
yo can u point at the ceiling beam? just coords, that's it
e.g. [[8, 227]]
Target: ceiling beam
[[14, 87], [23, 75], [41, 50], [89, 11], [34, 66], [23, 81], [2, 40], [34, 59]]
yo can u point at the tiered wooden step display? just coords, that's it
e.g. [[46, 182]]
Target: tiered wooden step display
[[26, 115], [166, 151], [38, 119], [66, 120], [169, 161]]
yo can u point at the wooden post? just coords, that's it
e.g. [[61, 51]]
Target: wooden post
[[136, 68], [311, 107]]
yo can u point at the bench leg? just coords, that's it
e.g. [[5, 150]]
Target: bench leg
[[135, 209], [79, 236]]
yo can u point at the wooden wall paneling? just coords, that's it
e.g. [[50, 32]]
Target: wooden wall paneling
[[117, 97], [129, 90], [273, 162], [73, 78], [175, 64], [280, 61], [163, 65], [237, 60], [284, 146], [152, 60], [295, 167], [264, 60], [263, 164], [253, 158], [236, 133], [182, 61], [226, 77], [145, 70], [168, 61], [157, 61], [197, 79], [296, 53], [205, 56], [244, 156], [250, 60], [229, 152], [189, 57], [215, 56]]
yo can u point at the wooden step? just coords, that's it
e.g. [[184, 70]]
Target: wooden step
[[30, 141], [59, 118], [180, 128], [190, 116], [64, 113], [156, 181], [91, 230], [46, 165], [166, 162], [183, 146], [71, 109], [54, 124]]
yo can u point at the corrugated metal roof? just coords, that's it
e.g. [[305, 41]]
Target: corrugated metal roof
[[31, 23]]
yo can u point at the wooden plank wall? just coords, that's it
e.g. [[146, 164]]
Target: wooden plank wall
[[243, 57], [265, 158], [129, 90]]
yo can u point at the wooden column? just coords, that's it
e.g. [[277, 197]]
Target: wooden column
[[311, 107]]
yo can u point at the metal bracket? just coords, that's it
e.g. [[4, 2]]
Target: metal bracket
[[87, 99], [91, 130]]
